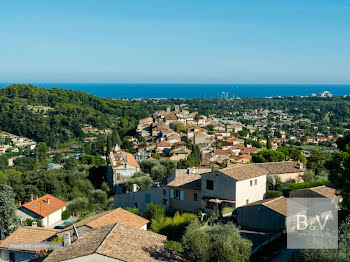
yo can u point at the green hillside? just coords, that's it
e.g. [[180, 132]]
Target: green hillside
[[55, 116]]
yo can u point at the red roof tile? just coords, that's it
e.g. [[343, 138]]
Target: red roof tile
[[45, 205]]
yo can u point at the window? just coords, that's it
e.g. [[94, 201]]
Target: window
[[195, 197], [12, 257], [164, 192], [251, 182], [210, 184], [135, 205], [177, 194], [247, 201], [256, 182]]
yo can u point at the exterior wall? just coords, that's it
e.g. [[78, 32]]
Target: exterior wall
[[127, 171], [19, 256], [51, 219], [54, 217], [224, 188], [158, 195], [93, 258], [260, 218], [187, 204], [252, 193]]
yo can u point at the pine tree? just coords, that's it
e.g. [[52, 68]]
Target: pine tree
[[8, 208]]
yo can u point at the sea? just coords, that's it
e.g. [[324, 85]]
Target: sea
[[120, 90]]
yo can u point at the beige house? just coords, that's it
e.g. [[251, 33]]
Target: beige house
[[185, 193], [179, 153], [236, 185], [286, 170]]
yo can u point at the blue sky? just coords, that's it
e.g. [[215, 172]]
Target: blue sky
[[178, 41]]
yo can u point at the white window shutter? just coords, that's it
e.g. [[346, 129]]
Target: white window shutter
[[171, 193], [181, 195]]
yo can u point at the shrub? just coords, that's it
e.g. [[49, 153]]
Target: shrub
[[133, 210], [30, 221], [66, 214], [296, 186], [144, 182], [154, 211], [216, 243], [173, 227], [79, 204], [174, 245], [308, 176], [273, 194]]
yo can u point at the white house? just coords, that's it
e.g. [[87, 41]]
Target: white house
[[48, 209]]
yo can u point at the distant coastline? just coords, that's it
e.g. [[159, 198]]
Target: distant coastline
[[120, 90]]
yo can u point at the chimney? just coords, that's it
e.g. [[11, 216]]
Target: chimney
[[67, 240], [34, 224], [31, 197], [48, 201], [188, 170], [36, 197]]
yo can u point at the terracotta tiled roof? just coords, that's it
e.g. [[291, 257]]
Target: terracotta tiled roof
[[122, 242], [120, 159], [191, 181], [163, 144], [84, 246], [249, 150], [246, 158], [112, 217], [241, 172], [170, 117], [283, 167], [222, 152], [231, 140], [45, 205], [29, 234], [278, 204], [324, 191]]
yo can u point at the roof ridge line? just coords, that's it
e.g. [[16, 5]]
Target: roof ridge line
[[104, 239]]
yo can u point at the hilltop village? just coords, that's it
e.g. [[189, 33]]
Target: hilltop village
[[138, 193]]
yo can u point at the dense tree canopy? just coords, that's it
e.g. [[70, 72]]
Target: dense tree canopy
[[55, 116], [340, 170]]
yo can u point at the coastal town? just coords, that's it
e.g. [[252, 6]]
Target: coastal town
[[178, 164]]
